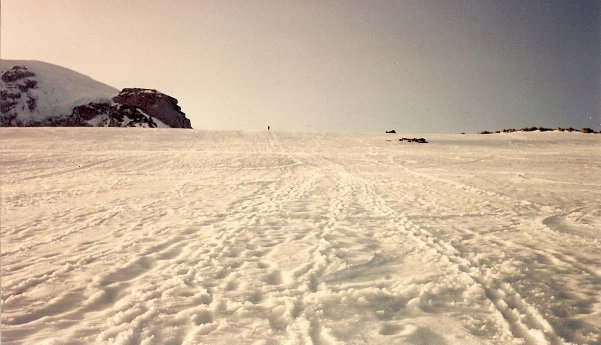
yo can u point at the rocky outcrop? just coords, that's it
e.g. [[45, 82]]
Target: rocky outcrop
[[67, 98], [542, 129], [414, 140], [14, 98], [16, 73], [156, 104], [90, 111], [105, 115]]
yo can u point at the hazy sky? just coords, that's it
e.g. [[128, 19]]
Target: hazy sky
[[415, 66]]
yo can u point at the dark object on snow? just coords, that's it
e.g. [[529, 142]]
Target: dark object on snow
[[528, 129], [16, 73], [27, 84], [391, 131], [115, 115], [156, 104], [541, 129], [414, 140]]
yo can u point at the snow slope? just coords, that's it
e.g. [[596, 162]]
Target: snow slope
[[128, 236], [59, 89]]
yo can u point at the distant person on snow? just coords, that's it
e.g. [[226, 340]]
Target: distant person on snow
[[268, 127]]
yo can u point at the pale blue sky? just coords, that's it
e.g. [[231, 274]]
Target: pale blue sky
[[415, 66]]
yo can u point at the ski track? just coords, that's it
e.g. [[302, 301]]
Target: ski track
[[283, 238]]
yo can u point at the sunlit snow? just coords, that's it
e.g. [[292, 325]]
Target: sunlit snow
[[133, 236], [59, 89]]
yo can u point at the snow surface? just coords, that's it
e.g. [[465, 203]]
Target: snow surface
[[59, 89], [132, 236]]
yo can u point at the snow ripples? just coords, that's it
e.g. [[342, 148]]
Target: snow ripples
[[292, 238]]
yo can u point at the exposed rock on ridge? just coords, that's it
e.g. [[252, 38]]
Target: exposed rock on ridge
[[16, 73], [50, 95], [156, 104], [18, 82], [106, 115]]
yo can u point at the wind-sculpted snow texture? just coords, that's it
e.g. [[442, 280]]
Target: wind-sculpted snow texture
[[128, 236]]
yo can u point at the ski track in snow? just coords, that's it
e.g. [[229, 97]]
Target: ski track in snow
[[128, 236]]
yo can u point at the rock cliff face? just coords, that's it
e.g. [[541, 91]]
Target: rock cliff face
[[155, 104], [105, 115], [34, 93]]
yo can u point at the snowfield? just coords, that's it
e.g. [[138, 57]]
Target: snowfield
[[136, 236]]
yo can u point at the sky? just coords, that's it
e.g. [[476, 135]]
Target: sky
[[322, 65]]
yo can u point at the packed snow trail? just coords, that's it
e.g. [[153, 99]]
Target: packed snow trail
[[129, 236]]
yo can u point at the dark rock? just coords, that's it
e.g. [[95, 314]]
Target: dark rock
[[7, 106], [90, 111], [31, 103], [391, 131], [62, 121], [542, 129], [116, 115], [16, 73], [127, 116], [562, 129], [12, 101], [5, 95], [414, 140], [8, 120], [28, 84], [156, 104]]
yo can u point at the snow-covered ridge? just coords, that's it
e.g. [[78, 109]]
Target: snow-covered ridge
[[35, 93]]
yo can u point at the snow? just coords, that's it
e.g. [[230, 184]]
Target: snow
[[137, 236], [59, 89]]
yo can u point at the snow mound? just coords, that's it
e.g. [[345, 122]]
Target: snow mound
[[58, 90]]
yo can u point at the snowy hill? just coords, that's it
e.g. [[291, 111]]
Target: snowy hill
[[35, 93]]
